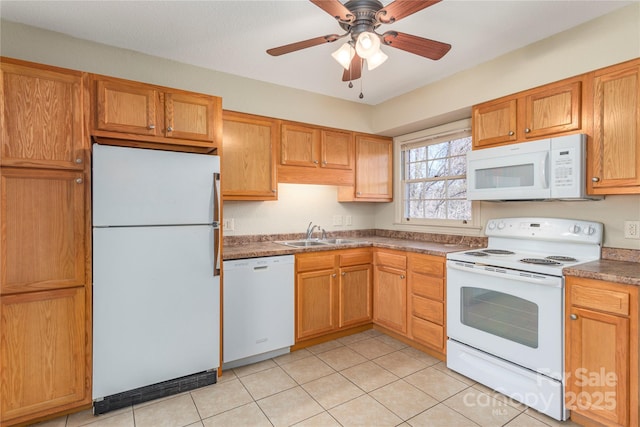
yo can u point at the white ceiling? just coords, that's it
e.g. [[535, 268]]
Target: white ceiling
[[232, 36]]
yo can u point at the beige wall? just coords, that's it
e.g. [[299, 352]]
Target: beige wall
[[604, 41]]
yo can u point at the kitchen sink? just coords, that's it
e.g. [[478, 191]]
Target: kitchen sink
[[324, 242], [303, 243]]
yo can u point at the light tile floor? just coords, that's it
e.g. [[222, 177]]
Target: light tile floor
[[366, 379]]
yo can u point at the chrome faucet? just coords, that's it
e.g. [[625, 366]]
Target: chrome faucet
[[324, 234], [310, 229]]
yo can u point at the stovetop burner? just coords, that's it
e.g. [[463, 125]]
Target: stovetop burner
[[498, 252], [562, 258], [476, 253], [539, 261]]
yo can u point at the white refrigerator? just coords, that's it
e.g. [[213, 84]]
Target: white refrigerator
[[156, 283]]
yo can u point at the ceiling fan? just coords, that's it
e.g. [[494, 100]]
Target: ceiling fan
[[360, 19]]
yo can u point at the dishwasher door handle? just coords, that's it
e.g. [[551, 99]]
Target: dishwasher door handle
[[261, 267]]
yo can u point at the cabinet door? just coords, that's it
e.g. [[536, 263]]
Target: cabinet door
[[374, 176], [598, 382], [494, 123], [390, 298], [615, 152], [336, 149], [299, 146], [315, 303], [43, 352], [248, 164], [127, 107], [356, 301], [553, 110], [190, 116], [40, 117], [43, 225]]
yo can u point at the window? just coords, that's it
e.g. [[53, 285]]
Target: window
[[433, 176]]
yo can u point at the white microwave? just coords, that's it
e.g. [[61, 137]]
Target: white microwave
[[538, 170]]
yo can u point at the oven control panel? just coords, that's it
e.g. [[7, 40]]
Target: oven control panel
[[546, 229]]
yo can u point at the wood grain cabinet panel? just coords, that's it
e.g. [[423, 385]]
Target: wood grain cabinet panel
[[390, 290], [336, 149], [127, 107], [601, 353], [553, 110], [374, 171], [494, 123], [249, 146], [43, 223], [614, 154], [40, 117], [190, 116], [43, 353], [315, 303], [356, 300]]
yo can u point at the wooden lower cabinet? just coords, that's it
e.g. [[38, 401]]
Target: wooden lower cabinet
[[43, 353], [390, 290], [426, 301], [601, 352], [333, 292]]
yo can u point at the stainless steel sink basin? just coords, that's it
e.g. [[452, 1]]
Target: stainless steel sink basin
[[303, 243], [339, 241]]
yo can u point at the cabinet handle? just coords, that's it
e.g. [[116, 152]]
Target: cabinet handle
[[359, 193], [511, 133], [170, 129], [315, 162], [595, 179], [273, 191], [324, 162], [152, 126], [344, 274], [527, 130], [79, 180], [334, 275], [574, 317], [79, 160], [402, 276]]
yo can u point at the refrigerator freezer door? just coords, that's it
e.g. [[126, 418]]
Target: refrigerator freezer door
[[133, 186], [156, 306]]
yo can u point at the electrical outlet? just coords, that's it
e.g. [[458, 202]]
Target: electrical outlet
[[337, 220], [632, 229], [228, 224], [347, 220]]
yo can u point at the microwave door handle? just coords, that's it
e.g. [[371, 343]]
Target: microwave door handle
[[544, 173]]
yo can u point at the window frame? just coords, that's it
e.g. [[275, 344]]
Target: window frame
[[437, 134]]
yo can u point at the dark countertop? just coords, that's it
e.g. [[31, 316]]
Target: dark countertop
[[624, 272], [260, 249]]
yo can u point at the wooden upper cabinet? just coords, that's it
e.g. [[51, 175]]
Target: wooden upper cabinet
[[249, 146], [41, 112], [551, 110], [494, 123], [614, 152], [315, 155], [43, 354], [160, 117], [554, 109], [374, 171], [43, 223]]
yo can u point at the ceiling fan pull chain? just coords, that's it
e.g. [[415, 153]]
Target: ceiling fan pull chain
[[361, 94]]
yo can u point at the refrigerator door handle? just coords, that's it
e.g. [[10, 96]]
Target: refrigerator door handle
[[217, 210]]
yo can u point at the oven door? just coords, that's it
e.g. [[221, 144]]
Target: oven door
[[510, 314]]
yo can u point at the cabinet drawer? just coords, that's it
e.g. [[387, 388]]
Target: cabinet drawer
[[427, 286], [391, 260], [355, 258], [315, 262], [427, 333], [427, 264], [427, 309], [601, 299]]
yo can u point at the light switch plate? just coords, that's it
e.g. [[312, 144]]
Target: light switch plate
[[337, 220]]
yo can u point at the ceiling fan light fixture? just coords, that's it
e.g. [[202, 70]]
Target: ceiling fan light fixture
[[344, 55], [368, 44], [377, 59]]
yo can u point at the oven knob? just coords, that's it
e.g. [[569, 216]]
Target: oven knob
[[491, 225], [589, 230], [574, 228], [500, 225]]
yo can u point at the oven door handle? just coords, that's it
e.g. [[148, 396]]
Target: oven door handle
[[521, 276]]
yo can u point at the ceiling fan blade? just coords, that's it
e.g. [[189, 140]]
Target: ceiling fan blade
[[402, 8], [335, 9], [355, 70], [417, 45], [281, 50]]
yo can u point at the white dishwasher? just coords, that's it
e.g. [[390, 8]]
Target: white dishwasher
[[258, 309]]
